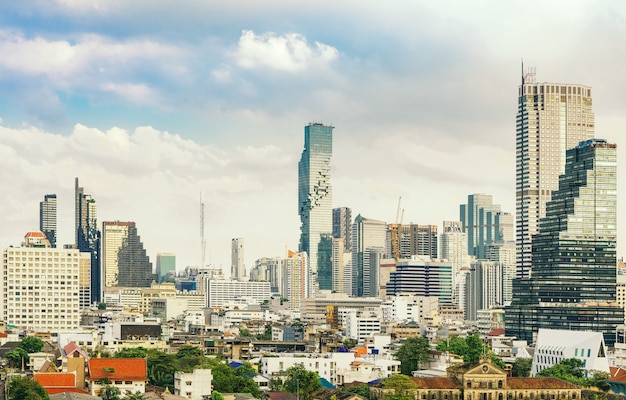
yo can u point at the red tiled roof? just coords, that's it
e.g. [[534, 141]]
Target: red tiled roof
[[618, 374], [64, 390], [3, 335], [435, 383], [36, 234], [539, 383], [55, 379], [132, 369], [496, 332]]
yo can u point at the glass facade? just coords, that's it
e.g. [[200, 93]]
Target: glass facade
[[573, 282], [88, 236], [315, 201], [48, 218], [551, 118]]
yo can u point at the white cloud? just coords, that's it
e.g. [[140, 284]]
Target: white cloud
[[153, 178], [290, 52]]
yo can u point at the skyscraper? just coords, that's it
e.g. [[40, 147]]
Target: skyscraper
[[315, 202], [165, 265], [573, 281], [342, 225], [237, 265], [423, 240], [485, 224], [368, 246], [551, 118], [48, 218], [88, 236], [125, 262]]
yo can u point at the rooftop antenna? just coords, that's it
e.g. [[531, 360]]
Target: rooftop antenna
[[202, 239]]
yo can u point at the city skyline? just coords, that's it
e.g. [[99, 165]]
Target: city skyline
[[162, 109]]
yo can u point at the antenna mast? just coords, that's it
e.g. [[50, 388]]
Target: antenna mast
[[202, 239]]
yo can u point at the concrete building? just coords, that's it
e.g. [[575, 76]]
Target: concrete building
[[237, 264], [360, 324], [484, 289], [453, 245], [195, 385], [423, 277], [41, 286], [297, 279], [318, 309], [368, 246], [315, 202], [551, 119], [556, 345], [223, 292]]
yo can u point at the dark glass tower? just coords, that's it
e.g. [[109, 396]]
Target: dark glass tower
[[573, 281], [48, 218], [88, 236], [315, 202]]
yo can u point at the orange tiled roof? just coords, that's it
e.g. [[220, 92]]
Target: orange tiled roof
[[617, 374], [132, 369], [539, 383], [435, 383], [55, 379]]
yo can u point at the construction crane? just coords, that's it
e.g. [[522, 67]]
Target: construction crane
[[395, 239]]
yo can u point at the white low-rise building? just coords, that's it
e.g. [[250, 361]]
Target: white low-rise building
[[360, 324], [555, 345], [194, 386], [324, 366]]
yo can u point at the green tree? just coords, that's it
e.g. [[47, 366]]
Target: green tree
[[400, 386], [102, 306], [570, 370], [161, 368], [16, 356], [521, 367], [215, 395], [470, 349], [266, 335], [598, 379], [25, 388], [188, 351], [244, 380], [362, 390], [132, 352], [110, 393], [301, 381], [31, 344], [134, 396], [244, 332], [412, 354]]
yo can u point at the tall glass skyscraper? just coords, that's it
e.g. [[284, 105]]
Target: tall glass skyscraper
[[88, 236], [551, 118], [315, 202], [573, 281], [48, 218]]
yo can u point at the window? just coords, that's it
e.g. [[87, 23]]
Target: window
[[469, 384]]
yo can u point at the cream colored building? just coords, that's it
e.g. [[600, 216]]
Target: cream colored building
[[41, 287]]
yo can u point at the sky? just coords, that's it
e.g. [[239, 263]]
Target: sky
[[154, 104]]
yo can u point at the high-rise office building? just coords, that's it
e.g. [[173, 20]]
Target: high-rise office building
[[124, 262], [315, 202], [88, 236], [573, 280], [485, 224], [237, 264], [342, 226], [165, 265], [48, 218], [423, 277], [484, 287], [551, 118], [423, 240], [368, 247], [454, 251]]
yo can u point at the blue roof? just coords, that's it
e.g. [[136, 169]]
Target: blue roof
[[235, 364], [326, 384]]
